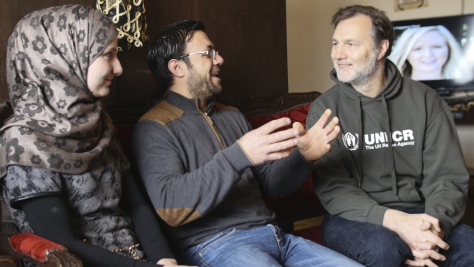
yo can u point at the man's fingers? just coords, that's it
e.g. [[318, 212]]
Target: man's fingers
[[419, 254], [280, 154], [416, 262], [281, 146], [441, 244], [425, 226], [323, 120], [428, 254], [333, 135], [299, 127], [420, 262], [283, 135], [438, 241], [423, 245], [274, 125], [274, 140], [433, 221], [421, 259]]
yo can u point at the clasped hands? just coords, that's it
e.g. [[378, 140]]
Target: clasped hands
[[270, 142], [422, 233]]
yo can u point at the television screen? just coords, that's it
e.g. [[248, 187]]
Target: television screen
[[436, 51]]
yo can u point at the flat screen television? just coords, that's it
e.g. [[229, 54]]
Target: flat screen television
[[437, 51]]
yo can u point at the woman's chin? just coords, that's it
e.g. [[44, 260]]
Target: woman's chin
[[102, 92]]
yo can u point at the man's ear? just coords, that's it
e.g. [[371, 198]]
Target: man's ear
[[176, 67], [383, 49]]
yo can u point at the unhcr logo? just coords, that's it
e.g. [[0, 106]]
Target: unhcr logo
[[351, 141], [379, 140]]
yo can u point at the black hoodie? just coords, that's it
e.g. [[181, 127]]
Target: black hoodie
[[409, 156]]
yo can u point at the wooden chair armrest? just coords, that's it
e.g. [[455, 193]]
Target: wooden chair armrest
[[9, 261], [35, 249]]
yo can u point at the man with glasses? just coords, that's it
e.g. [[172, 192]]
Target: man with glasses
[[205, 170]]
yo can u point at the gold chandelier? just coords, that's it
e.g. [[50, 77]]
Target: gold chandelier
[[129, 18]]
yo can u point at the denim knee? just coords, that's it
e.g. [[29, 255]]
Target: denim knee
[[369, 244], [389, 252]]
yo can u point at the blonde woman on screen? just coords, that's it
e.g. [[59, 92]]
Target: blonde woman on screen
[[430, 53]]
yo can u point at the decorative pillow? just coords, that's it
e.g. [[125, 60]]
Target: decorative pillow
[[296, 114], [34, 246]]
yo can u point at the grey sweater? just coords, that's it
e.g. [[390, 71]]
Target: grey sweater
[[397, 150], [197, 176]]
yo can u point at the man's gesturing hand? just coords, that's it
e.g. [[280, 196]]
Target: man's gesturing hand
[[266, 143], [314, 143]]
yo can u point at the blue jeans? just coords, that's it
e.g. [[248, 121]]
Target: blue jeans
[[376, 245], [265, 246]]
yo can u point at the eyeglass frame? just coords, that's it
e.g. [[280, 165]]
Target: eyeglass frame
[[213, 53]]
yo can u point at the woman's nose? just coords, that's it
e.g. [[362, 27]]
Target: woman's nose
[[117, 68], [428, 51]]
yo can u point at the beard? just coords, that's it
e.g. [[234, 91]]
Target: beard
[[364, 73], [200, 87]]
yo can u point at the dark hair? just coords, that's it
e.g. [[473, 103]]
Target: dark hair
[[170, 44], [382, 28]]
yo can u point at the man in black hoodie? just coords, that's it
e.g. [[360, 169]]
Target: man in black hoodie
[[395, 182]]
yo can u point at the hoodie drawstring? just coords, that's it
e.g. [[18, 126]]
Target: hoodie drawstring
[[392, 159], [361, 142]]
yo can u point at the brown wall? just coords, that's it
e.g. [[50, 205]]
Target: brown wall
[[249, 34]]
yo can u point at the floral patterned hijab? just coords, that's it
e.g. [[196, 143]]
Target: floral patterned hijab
[[57, 123]]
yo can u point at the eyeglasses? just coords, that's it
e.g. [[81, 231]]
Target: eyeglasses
[[212, 53]]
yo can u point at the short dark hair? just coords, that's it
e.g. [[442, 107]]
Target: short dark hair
[[382, 28], [170, 44]]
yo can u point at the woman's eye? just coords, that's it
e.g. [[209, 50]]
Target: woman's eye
[[108, 55]]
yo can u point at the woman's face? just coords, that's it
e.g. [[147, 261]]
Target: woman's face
[[103, 70], [429, 53]]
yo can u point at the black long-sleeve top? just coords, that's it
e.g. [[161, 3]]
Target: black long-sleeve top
[[50, 216]]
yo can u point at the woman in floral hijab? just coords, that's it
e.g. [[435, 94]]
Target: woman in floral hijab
[[64, 174]]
